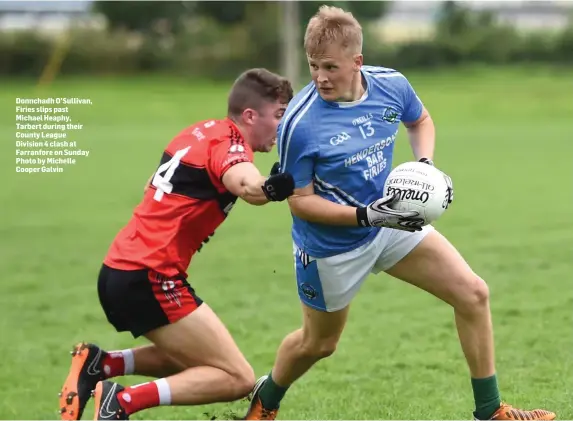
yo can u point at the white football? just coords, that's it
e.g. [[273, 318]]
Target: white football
[[421, 187]]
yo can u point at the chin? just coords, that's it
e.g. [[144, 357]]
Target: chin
[[328, 96]]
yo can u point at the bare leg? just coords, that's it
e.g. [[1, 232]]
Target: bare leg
[[298, 352], [437, 267], [218, 370]]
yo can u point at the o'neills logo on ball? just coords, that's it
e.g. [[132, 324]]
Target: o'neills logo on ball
[[409, 194], [410, 182]]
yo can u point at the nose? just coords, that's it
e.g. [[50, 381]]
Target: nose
[[321, 78]]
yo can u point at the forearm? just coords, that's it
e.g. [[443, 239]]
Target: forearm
[[423, 138], [252, 191], [314, 208]]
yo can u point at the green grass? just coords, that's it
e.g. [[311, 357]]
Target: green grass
[[504, 136]]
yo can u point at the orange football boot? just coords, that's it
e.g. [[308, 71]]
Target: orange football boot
[[256, 409], [508, 412], [85, 372]]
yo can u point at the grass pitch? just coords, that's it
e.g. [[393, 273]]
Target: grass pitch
[[505, 138]]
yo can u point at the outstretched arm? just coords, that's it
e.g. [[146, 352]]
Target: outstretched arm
[[245, 181]]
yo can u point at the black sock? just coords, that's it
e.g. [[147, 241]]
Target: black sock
[[271, 393], [486, 396]]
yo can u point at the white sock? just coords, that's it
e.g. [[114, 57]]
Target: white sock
[[164, 392], [128, 361]]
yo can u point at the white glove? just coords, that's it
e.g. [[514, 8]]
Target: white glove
[[450, 192], [379, 214]]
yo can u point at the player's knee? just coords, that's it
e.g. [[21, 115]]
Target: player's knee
[[319, 349], [243, 380], [475, 295]]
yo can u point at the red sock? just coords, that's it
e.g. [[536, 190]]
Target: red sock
[[118, 363], [145, 395]]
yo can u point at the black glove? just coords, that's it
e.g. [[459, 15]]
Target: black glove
[[379, 214], [276, 168], [279, 185], [450, 193], [426, 161]]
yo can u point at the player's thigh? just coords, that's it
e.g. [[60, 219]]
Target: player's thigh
[[153, 356], [436, 266], [201, 339], [329, 284], [169, 313]]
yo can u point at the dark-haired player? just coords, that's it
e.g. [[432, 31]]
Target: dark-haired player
[[142, 284]]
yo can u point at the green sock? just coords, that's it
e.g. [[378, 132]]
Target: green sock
[[486, 396], [271, 393]]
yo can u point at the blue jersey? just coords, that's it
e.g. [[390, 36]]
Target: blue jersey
[[345, 150]]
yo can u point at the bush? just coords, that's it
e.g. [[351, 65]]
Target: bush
[[564, 46], [23, 54], [466, 37], [205, 48]]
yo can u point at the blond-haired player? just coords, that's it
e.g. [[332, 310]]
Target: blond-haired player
[[337, 139]]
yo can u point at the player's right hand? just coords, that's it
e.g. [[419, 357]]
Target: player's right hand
[[276, 168], [379, 214], [278, 186]]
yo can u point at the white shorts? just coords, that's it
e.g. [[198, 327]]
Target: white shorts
[[330, 283]]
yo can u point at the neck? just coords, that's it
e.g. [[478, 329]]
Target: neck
[[357, 89]]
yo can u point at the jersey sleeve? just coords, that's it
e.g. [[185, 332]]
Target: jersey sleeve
[[297, 152], [226, 153], [412, 104]]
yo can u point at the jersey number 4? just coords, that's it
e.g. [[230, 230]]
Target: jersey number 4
[[162, 182]]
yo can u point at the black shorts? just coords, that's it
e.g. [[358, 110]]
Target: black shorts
[[139, 301]]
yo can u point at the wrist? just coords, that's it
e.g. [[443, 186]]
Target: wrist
[[362, 217]]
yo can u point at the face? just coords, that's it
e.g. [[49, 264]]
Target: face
[[334, 72], [263, 124]]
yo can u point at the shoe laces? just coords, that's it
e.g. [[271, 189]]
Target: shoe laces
[[520, 414], [268, 414]]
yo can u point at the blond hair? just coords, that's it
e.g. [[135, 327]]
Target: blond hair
[[332, 25]]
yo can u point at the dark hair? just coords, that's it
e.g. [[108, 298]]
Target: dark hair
[[255, 86]]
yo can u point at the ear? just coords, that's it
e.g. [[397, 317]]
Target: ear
[[358, 62], [249, 116]]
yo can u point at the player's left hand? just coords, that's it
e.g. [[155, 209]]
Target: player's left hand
[[450, 194], [426, 161], [279, 185]]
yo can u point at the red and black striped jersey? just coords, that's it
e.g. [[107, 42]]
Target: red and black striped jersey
[[185, 202]]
